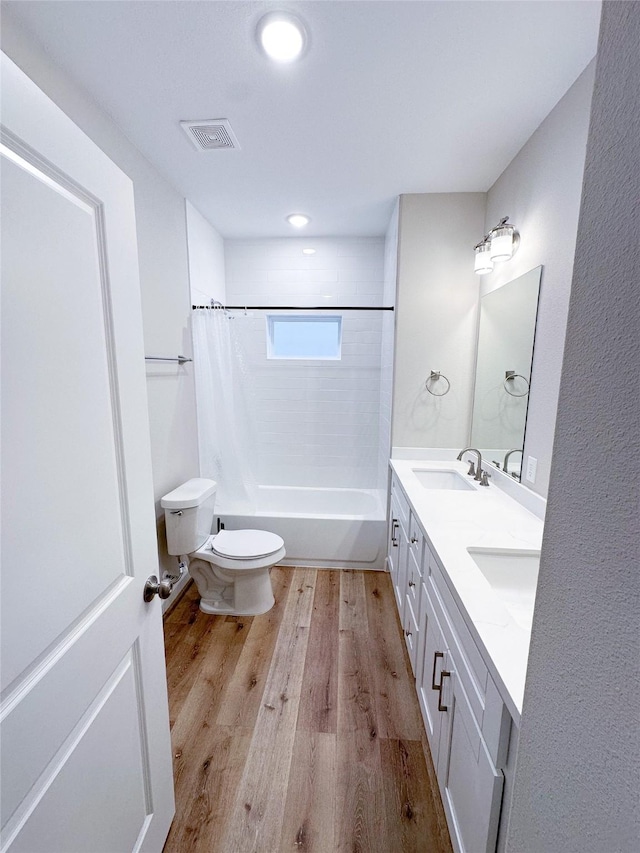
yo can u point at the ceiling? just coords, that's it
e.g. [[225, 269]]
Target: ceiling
[[390, 97]]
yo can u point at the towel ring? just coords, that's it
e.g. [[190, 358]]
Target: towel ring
[[509, 376], [435, 376]]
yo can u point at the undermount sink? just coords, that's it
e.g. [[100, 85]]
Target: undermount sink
[[430, 478], [513, 576]]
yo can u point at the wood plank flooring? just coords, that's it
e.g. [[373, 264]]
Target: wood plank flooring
[[299, 730]]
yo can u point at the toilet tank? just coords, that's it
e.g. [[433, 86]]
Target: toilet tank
[[188, 513]]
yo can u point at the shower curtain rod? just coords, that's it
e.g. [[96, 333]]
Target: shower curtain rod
[[297, 307]]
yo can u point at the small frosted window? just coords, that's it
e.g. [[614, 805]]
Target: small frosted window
[[304, 337]]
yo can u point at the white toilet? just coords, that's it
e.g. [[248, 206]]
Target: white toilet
[[230, 568]]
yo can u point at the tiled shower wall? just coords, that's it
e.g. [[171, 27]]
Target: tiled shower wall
[[318, 422]]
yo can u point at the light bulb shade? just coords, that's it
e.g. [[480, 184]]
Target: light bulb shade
[[483, 263], [502, 242]]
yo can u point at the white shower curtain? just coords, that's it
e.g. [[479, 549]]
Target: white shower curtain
[[225, 427]]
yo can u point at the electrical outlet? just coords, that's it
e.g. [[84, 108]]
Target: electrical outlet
[[532, 465]]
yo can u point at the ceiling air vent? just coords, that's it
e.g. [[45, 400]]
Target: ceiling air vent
[[210, 134]]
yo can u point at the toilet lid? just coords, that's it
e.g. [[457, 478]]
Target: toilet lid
[[246, 544]]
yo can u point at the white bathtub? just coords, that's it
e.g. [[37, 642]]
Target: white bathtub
[[322, 528]]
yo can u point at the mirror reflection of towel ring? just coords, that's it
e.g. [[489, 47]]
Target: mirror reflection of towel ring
[[509, 376], [434, 377]]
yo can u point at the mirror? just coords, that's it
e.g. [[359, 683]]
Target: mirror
[[503, 370]]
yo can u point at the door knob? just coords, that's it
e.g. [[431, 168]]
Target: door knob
[[154, 587]]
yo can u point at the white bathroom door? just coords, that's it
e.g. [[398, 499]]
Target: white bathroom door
[[86, 757]]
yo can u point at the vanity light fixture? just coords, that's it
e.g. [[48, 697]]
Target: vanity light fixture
[[298, 220], [498, 245], [281, 36]]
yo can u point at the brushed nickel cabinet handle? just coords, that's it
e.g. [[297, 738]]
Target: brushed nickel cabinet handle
[[444, 674], [394, 527], [414, 539], [436, 655]]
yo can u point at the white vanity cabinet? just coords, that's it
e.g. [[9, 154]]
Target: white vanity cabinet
[[466, 721]]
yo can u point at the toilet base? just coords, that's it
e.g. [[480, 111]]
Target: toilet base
[[246, 592], [224, 607]]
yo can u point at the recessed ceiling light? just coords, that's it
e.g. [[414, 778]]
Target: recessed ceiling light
[[298, 220], [281, 36], [308, 251]]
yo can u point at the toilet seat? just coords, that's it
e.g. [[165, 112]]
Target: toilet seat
[[245, 544]]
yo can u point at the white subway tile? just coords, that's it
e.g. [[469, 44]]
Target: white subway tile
[[319, 422], [354, 272]]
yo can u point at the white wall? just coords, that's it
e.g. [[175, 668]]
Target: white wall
[[540, 192], [387, 344], [317, 421], [164, 281], [436, 317], [206, 259], [578, 767]]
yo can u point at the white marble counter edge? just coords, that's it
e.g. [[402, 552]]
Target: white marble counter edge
[[452, 522]]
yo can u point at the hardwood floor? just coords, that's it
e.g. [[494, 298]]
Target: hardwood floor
[[299, 730]]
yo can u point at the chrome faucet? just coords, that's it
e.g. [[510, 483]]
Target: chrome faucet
[[506, 459], [472, 470]]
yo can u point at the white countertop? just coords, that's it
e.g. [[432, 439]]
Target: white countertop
[[486, 518]]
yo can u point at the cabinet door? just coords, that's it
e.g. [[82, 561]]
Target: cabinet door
[[411, 631], [433, 659], [471, 786], [393, 539], [414, 575], [400, 579]]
